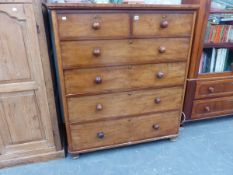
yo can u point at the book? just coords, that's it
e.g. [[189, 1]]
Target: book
[[213, 60], [218, 61]]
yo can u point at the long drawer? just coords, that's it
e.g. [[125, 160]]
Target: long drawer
[[117, 52], [212, 107], [120, 131], [93, 25], [215, 88], [95, 80], [103, 106]]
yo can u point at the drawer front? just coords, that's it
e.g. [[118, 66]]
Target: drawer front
[[162, 24], [110, 133], [116, 52], [212, 107], [123, 104], [81, 81], [93, 25], [214, 88]]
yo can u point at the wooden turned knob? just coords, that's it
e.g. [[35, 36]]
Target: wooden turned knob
[[160, 75], [98, 80], [164, 24], [207, 109], [162, 49], [96, 52], [99, 107], [157, 100], [211, 89], [155, 126], [96, 25], [100, 135]]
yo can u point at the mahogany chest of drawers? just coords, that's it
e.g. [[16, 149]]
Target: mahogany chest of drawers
[[122, 71]]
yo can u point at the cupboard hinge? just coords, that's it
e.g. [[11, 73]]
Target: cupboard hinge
[[37, 28]]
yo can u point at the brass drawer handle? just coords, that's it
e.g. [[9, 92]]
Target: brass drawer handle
[[162, 49], [207, 109], [100, 135], [99, 107], [164, 23], [211, 89], [96, 52], [96, 25], [157, 100], [98, 80], [160, 75], [156, 126]]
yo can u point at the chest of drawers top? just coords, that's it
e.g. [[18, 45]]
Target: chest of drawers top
[[80, 21]]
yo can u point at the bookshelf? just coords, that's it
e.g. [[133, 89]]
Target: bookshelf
[[217, 54], [210, 80]]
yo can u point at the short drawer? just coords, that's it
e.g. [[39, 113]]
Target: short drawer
[[96, 80], [212, 107], [123, 131], [105, 106], [163, 24], [116, 52], [214, 88], [92, 25]]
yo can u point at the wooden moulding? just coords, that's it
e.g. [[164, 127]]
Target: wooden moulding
[[26, 159]]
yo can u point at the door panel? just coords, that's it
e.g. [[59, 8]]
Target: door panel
[[24, 112], [13, 55], [19, 113]]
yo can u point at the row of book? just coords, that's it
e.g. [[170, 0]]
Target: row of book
[[215, 60], [219, 33], [222, 4]]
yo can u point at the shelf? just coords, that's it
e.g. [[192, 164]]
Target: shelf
[[221, 11], [215, 74], [218, 45]]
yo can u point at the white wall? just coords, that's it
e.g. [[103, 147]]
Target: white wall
[[147, 1]]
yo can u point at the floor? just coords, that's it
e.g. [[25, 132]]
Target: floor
[[203, 148]]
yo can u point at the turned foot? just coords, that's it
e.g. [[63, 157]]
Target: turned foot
[[173, 139], [75, 156]]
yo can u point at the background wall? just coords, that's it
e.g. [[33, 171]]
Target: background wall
[[147, 1]]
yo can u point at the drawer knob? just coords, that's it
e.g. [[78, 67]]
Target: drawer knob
[[96, 25], [96, 52], [207, 109], [155, 126], [162, 49], [100, 135], [157, 100], [98, 80], [164, 24], [160, 75], [99, 107], [211, 89]]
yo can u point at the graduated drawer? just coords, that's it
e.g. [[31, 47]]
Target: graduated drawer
[[116, 52], [214, 88], [212, 107], [95, 80], [103, 106], [92, 25], [122, 131], [163, 24]]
